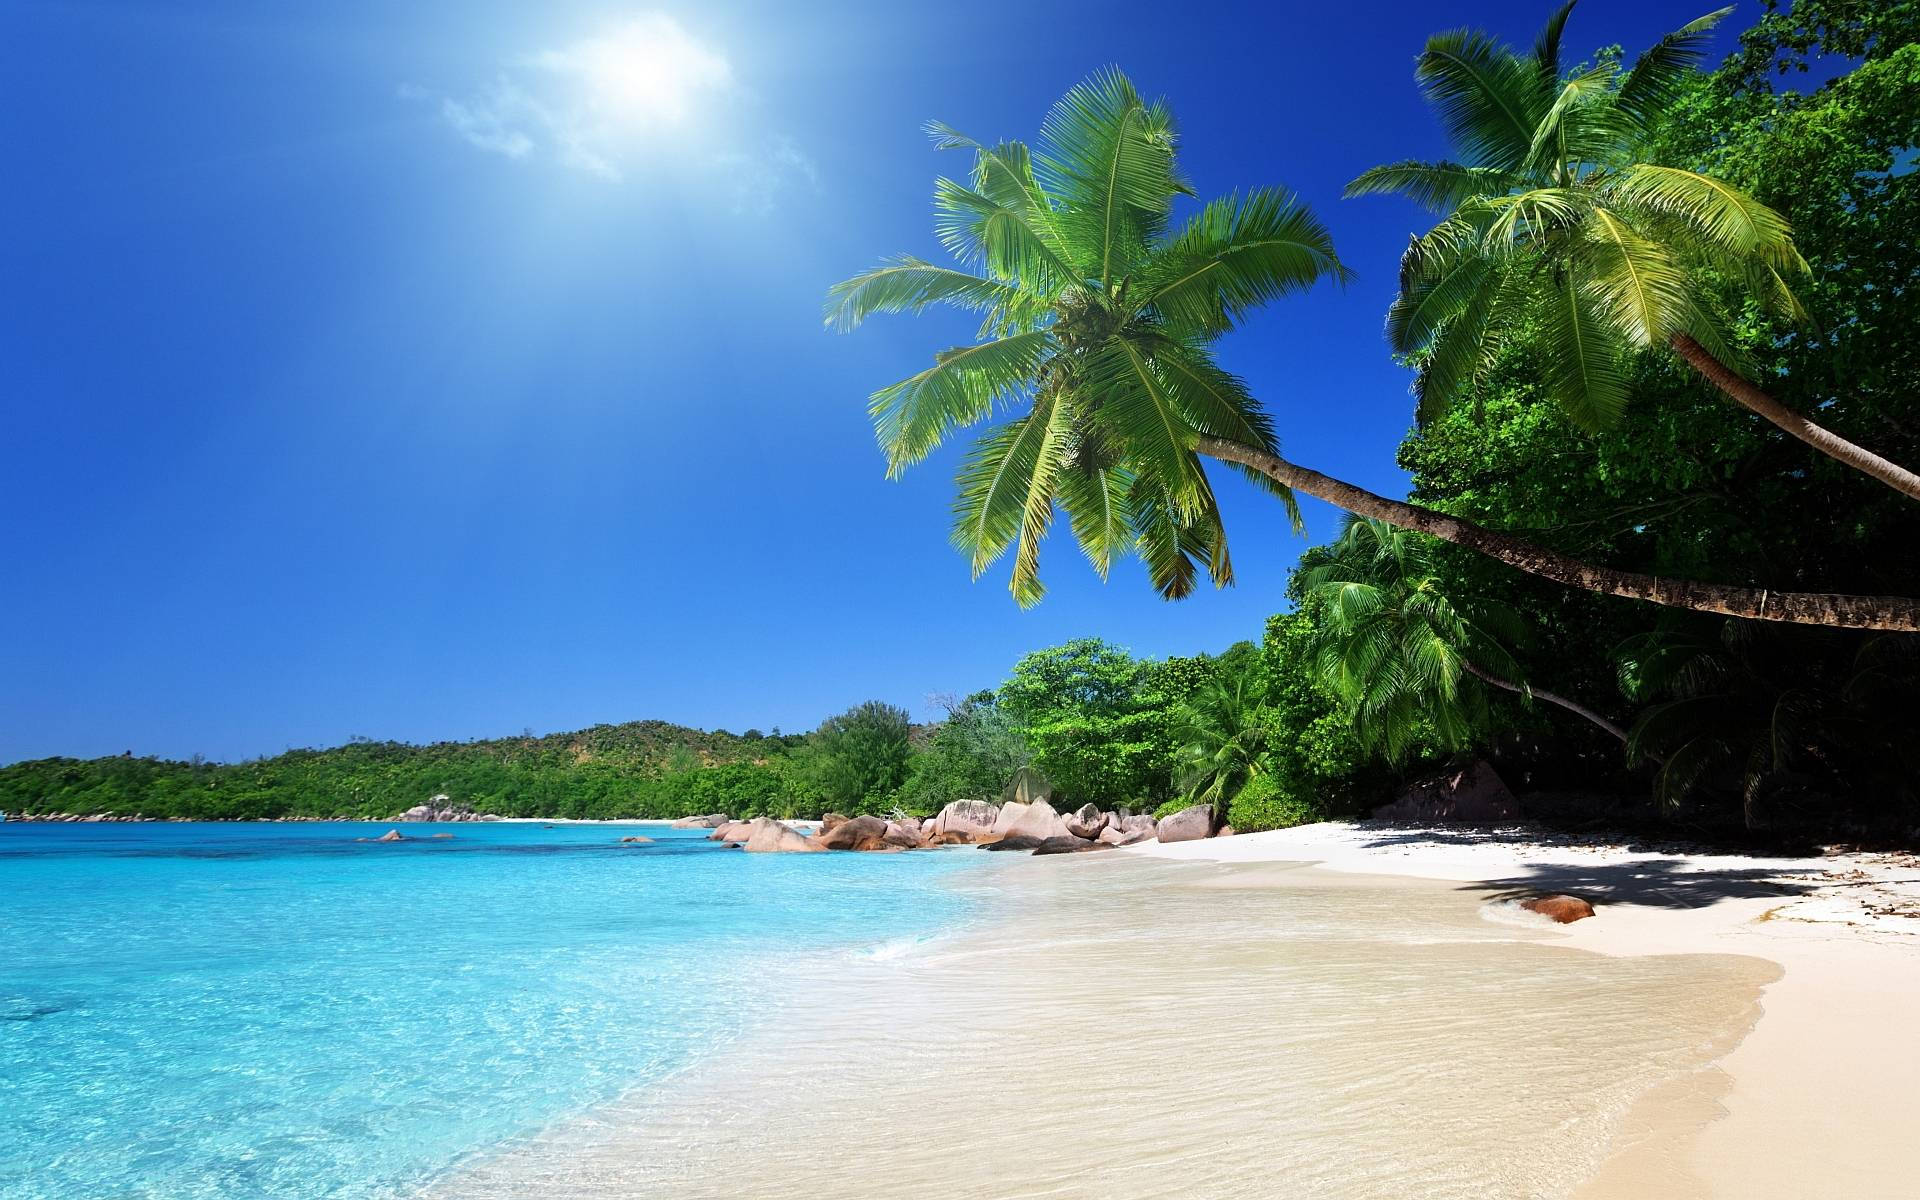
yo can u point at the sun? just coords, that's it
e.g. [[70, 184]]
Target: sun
[[649, 71]]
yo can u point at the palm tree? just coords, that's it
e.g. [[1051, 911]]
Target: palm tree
[[1097, 320], [1554, 234], [1224, 738], [1406, 657]]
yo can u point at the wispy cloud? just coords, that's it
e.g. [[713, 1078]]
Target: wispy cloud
[[646, 94]]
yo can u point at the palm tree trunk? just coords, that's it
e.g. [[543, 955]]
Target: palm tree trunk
[[1897, 613], [1572, 706], [1751, 398]]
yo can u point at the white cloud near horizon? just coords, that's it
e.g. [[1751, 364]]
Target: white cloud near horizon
[[629, 98]]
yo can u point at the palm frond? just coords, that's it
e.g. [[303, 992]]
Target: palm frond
[[996, 482], [1546, 50], [1212, 401], [1526, 220], [1139, 413], [1170, 544], [1107, 155], [913, 416], [1576, 128], [1654, 82], [1489, 99], [1234, 255], [1730, 220], [1430, 298], [1643, 293], [1581, 355], [1439, 186], [909, 285], [1036, 515], [1095, 498], [977, 229]]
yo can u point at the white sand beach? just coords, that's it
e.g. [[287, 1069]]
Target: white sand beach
[[1816, 1100]]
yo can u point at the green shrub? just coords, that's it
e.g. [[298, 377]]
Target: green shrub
[[1263, 805]]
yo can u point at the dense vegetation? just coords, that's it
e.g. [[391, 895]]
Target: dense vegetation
[[1400, 651]]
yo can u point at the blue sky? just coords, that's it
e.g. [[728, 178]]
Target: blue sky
[[442, 370]]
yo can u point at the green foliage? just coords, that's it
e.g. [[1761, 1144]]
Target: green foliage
[[1102, 725], [970, 755], [640, 769], [1785, 724], [1399, 644], [858, 760], [1766, 726], [1097, 317], [1223, 729], [1557, 231], [1261, 804], [1316, 760]]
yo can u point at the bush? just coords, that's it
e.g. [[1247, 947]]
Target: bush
[[1263, 805]]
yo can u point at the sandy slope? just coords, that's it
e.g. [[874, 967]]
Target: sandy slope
[[1817, 1100]]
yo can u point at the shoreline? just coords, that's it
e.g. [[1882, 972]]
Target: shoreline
[[1812, 1100]]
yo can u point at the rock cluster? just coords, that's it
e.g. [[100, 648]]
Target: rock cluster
[[442, 808], [1032, 825]]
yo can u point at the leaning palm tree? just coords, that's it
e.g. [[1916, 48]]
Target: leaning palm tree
[[1097, 319], [1555, 234], [1407, 658]]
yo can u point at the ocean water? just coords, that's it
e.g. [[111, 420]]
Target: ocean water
[[263, 1010]]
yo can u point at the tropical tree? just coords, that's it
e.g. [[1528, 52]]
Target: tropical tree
[[860, 758], [1225, 733], [1554, 233], [1097, 318], [1406, 656], [1786, 731]]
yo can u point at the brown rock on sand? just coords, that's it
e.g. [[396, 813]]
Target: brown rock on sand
[[971, 819], [1085, 822], [770, 837], [1564, 909], [1187, 825], [848, 834], [1036, 820], [1069, 845]]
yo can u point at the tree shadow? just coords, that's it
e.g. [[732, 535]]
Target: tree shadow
[[1672, 881], [1654, 883]]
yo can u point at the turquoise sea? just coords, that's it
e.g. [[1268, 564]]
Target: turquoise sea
[[277, 1010]]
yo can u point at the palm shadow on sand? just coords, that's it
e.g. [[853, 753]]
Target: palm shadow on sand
[[1648, 882]]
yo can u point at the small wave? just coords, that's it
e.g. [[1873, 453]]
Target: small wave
[[895, 949]]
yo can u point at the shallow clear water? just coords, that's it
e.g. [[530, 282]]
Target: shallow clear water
[[265, 1010]]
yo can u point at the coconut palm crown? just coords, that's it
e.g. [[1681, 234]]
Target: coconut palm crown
[[1097, 318], [1552, 229]]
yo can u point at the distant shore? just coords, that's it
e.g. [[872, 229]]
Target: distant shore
[[1816, 1099]]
